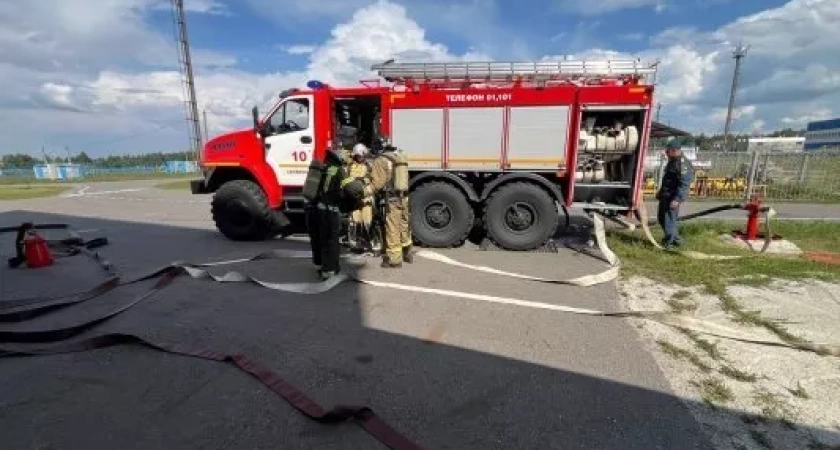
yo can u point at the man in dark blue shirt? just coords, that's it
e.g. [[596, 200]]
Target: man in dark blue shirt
[[673, 193]]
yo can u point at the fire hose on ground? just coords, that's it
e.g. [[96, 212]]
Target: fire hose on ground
[[754, 208], [22, 309], [19, 310]]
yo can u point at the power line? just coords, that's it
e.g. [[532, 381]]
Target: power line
[[738, 54]]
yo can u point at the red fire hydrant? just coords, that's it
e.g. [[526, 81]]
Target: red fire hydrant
[[753, 209]]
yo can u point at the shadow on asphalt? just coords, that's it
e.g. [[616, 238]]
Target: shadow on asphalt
[[441, 396]]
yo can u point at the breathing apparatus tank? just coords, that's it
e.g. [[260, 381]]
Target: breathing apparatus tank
[[400, 168], [399, 162], [313, 180], [316, 172]]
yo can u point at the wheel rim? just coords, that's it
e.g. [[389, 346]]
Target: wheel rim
[[438, 215], [520, 217]]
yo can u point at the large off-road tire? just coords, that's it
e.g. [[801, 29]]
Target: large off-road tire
[[520, 216], [441, 215], [241, 213]]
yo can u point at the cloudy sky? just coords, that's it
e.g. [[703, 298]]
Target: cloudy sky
[[101, 75]]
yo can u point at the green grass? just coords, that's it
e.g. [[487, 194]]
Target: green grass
[[773, 407], [799, 392], [28, 180], [680, 353], [680, 307], [639, 257], [737, 374], [25, 192], [713, 391], [710, 348], [179, 185]]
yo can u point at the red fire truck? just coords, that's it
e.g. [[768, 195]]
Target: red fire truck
[[497, 147]]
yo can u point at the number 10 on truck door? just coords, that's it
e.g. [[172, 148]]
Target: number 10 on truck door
[[300, 155]]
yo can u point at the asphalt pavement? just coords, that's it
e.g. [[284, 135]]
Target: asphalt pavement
[[450, 373]]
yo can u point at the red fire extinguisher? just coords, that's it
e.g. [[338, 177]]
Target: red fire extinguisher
[[36, 251]]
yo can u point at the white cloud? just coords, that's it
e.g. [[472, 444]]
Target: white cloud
[[792, 63], [804, 115], [585, 7], [206, 7], [300, 49], [373, 34], [194, 6], [72, 64], [738, 113]]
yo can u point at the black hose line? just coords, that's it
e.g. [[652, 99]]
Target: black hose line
[[706, 212], [43, 226]]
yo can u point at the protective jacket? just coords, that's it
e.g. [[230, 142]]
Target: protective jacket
[[676, 180], [380, 178], [334, 174]]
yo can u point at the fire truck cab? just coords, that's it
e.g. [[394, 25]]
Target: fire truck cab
[[496, 147]]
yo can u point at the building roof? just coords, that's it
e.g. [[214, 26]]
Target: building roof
[[776, 140], [820, 125], [660, 130]]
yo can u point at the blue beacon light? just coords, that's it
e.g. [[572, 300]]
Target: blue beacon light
[[314, 84]]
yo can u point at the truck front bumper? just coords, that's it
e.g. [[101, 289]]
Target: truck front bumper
[[198, 186]]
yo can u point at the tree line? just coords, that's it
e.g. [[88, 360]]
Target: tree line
[[715, 142], [24, 161]]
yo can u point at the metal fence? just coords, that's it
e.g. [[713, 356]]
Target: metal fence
[[60, 174], [810, 176]]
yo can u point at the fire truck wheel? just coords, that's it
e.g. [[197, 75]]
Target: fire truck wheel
[[520, 216], [241, 213], [441, 216]]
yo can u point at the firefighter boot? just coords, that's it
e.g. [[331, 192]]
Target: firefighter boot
[[408, 256], [389, 263]]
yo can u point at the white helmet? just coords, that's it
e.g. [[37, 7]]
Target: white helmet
[[359, 150]]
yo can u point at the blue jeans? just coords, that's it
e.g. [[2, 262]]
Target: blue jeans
[[668, 221]]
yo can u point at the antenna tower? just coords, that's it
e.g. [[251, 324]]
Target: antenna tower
[[738, 54], [187, 81]]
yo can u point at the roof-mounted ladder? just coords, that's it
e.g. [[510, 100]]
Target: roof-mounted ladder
[[513, 71]]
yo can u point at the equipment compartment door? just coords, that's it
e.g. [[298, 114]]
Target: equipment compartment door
[[537, 137], [475, 138], [290, 141]]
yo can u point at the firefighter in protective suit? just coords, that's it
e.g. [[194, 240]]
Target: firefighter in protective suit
[[362, 217], [324, 213], [388, 177]]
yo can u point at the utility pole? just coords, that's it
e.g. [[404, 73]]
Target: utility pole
[[738, 54], [185, 67], [658, 110], [204, 112]]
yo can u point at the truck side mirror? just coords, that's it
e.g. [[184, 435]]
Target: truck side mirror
[[255, 114]]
